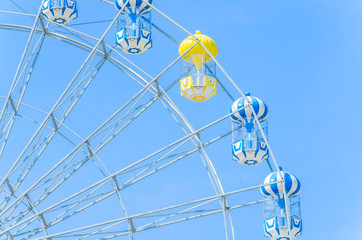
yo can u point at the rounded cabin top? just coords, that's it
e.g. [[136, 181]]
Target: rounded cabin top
[[245, 113], [134, 6], [291, 183], [208, 42]]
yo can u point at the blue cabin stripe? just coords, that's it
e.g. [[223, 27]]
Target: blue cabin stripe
[[288, 182], [138, 5], [245, 114], [291, 183], [255, 104], [265, 114]]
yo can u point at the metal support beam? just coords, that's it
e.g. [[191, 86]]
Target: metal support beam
[[114, 178], [9, 186], [106, 179], [43, 25], [8, 233], [29, 201], [117, 173], [226, 207], [13, 105], [43, 220], [158, 89], [54, 122], [40, 216], [39, 131], [150, 213], [30, 39], [91, 152], [104, 49], [89, 149], [131, 224]]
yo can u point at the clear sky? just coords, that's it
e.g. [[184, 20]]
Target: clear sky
[[303, 58]]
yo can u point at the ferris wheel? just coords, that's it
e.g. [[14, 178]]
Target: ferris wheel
[[101, 138]]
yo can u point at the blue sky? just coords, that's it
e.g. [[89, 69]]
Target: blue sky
[[303, 58]]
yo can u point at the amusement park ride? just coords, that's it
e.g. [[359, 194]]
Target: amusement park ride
[[282, 219]]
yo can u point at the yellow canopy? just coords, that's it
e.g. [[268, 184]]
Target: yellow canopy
[[198, 48]]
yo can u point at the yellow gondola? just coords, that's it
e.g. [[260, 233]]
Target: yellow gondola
[[198, 70]]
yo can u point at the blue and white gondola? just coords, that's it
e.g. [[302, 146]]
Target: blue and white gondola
[[248, 147], [134, 34], [60, 11], [275, 210]]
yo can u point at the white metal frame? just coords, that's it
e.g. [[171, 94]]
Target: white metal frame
[[110, 128]]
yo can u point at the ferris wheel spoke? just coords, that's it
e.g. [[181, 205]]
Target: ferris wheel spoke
[[174, 158], [145, 89], [87, 47], [26, 166], [11, 188], [224, 201], [84, 142], [65, 215], [60, 217], [152, 224], [190, 130], [169, 102], [22, 175], [114, 132], [129, 183], [40, 217], [22, 214], [204, 156], [215, 181], [27, 52], [144, 105], [73, 170], [8, 183], [190, 208], [55, 126], [187, 210], [22, 88], [123, 186], [5, 125], [19, 216], [101, 231], [46, 192], [180, 140], [68, 155], [91, 55], [199, 145], [8, 198]]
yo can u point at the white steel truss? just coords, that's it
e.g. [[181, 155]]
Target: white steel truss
[[99, 54]]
